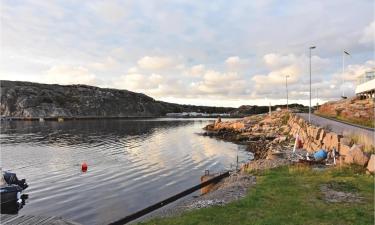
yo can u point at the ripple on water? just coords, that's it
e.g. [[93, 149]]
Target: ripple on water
[[132, 164]]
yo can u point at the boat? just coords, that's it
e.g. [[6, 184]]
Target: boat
[[10, 192]]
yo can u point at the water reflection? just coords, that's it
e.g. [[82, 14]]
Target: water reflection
[[131, 164]]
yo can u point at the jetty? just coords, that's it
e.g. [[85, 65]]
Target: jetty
[[7, 219]]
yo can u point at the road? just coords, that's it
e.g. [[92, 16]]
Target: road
[[340, 128]]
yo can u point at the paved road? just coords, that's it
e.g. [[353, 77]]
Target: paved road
[[339, 128]]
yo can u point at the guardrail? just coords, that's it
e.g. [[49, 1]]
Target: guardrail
[[165, 202]]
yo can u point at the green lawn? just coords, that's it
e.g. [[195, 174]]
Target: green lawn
[[361, 122], [291, 195]]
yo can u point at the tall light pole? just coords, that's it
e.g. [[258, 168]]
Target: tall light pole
[[343, 71], [311, 48], [286, 85]]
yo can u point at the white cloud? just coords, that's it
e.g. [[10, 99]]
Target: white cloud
[[368, 35], [111, 11], [155, 62], [108, 64], [139, 82], [197, 70], [220, 84], [64, 74], [108, 38], [282, 65], [352, 72], [232, 61], [133, 69], [273, 83]]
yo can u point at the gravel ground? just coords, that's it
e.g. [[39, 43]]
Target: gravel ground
[[228, 190]]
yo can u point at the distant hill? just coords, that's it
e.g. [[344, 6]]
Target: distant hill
[[27, 99], [254, 109]]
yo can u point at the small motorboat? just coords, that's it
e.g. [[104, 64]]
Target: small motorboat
[[10, 191]]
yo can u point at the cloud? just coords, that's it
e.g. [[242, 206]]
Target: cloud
[[232, 61], [220, 84], [368, 35], [133, 69], [352, 72], [108, 64], [183, 41], [111, 11], [139, 82], [291, 64], [273, 83], [197, 70], [64, 74], [155, 62]]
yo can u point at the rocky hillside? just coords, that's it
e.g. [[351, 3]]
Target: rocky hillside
[[354, 110], [26, 99], [255, 109]]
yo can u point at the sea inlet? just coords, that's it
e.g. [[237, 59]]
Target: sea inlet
[[131, 163]]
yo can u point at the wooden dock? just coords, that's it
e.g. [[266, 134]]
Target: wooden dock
[[6, 219]]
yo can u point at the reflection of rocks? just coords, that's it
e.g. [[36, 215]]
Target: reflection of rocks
[[72, 133]]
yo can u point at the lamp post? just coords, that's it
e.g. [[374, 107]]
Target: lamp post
[[343, 71], [286, 85], [311, 48]]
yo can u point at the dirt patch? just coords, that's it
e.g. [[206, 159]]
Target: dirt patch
[[228, 190], [335, 192]]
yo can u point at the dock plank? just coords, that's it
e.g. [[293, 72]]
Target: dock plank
[[33, 220]]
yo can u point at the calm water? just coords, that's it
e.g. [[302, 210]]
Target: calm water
[[132, 164]]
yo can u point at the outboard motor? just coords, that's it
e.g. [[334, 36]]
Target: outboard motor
[[11, 178]]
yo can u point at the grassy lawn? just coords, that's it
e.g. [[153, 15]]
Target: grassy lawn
[[291, 195], [365, 123]]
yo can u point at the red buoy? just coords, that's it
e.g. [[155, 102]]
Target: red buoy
[[84, 167]]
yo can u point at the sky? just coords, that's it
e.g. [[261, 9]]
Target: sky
[[218, 53]]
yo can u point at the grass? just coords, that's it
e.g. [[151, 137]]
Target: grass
[[285, 119], [291, 195], [364, 140], [365, 123]]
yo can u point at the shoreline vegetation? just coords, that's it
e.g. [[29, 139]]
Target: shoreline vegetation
[[277, 187], [366, 123]]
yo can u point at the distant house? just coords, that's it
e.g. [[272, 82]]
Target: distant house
[[366, 85]]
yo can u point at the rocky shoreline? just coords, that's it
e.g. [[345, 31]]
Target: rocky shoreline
[[271, 138]]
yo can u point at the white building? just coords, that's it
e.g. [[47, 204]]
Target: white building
[[366, 85]]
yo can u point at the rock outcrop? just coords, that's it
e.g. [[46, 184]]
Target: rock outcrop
[[354, 109], [26, 99], [371, 164], [269, 135]]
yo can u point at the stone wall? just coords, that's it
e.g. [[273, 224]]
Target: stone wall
[[315, 138]]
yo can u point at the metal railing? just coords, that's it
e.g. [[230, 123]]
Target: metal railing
[[366, 77]]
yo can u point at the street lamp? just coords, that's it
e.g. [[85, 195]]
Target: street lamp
[[311, 48], [343, 71], [286, 85]]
